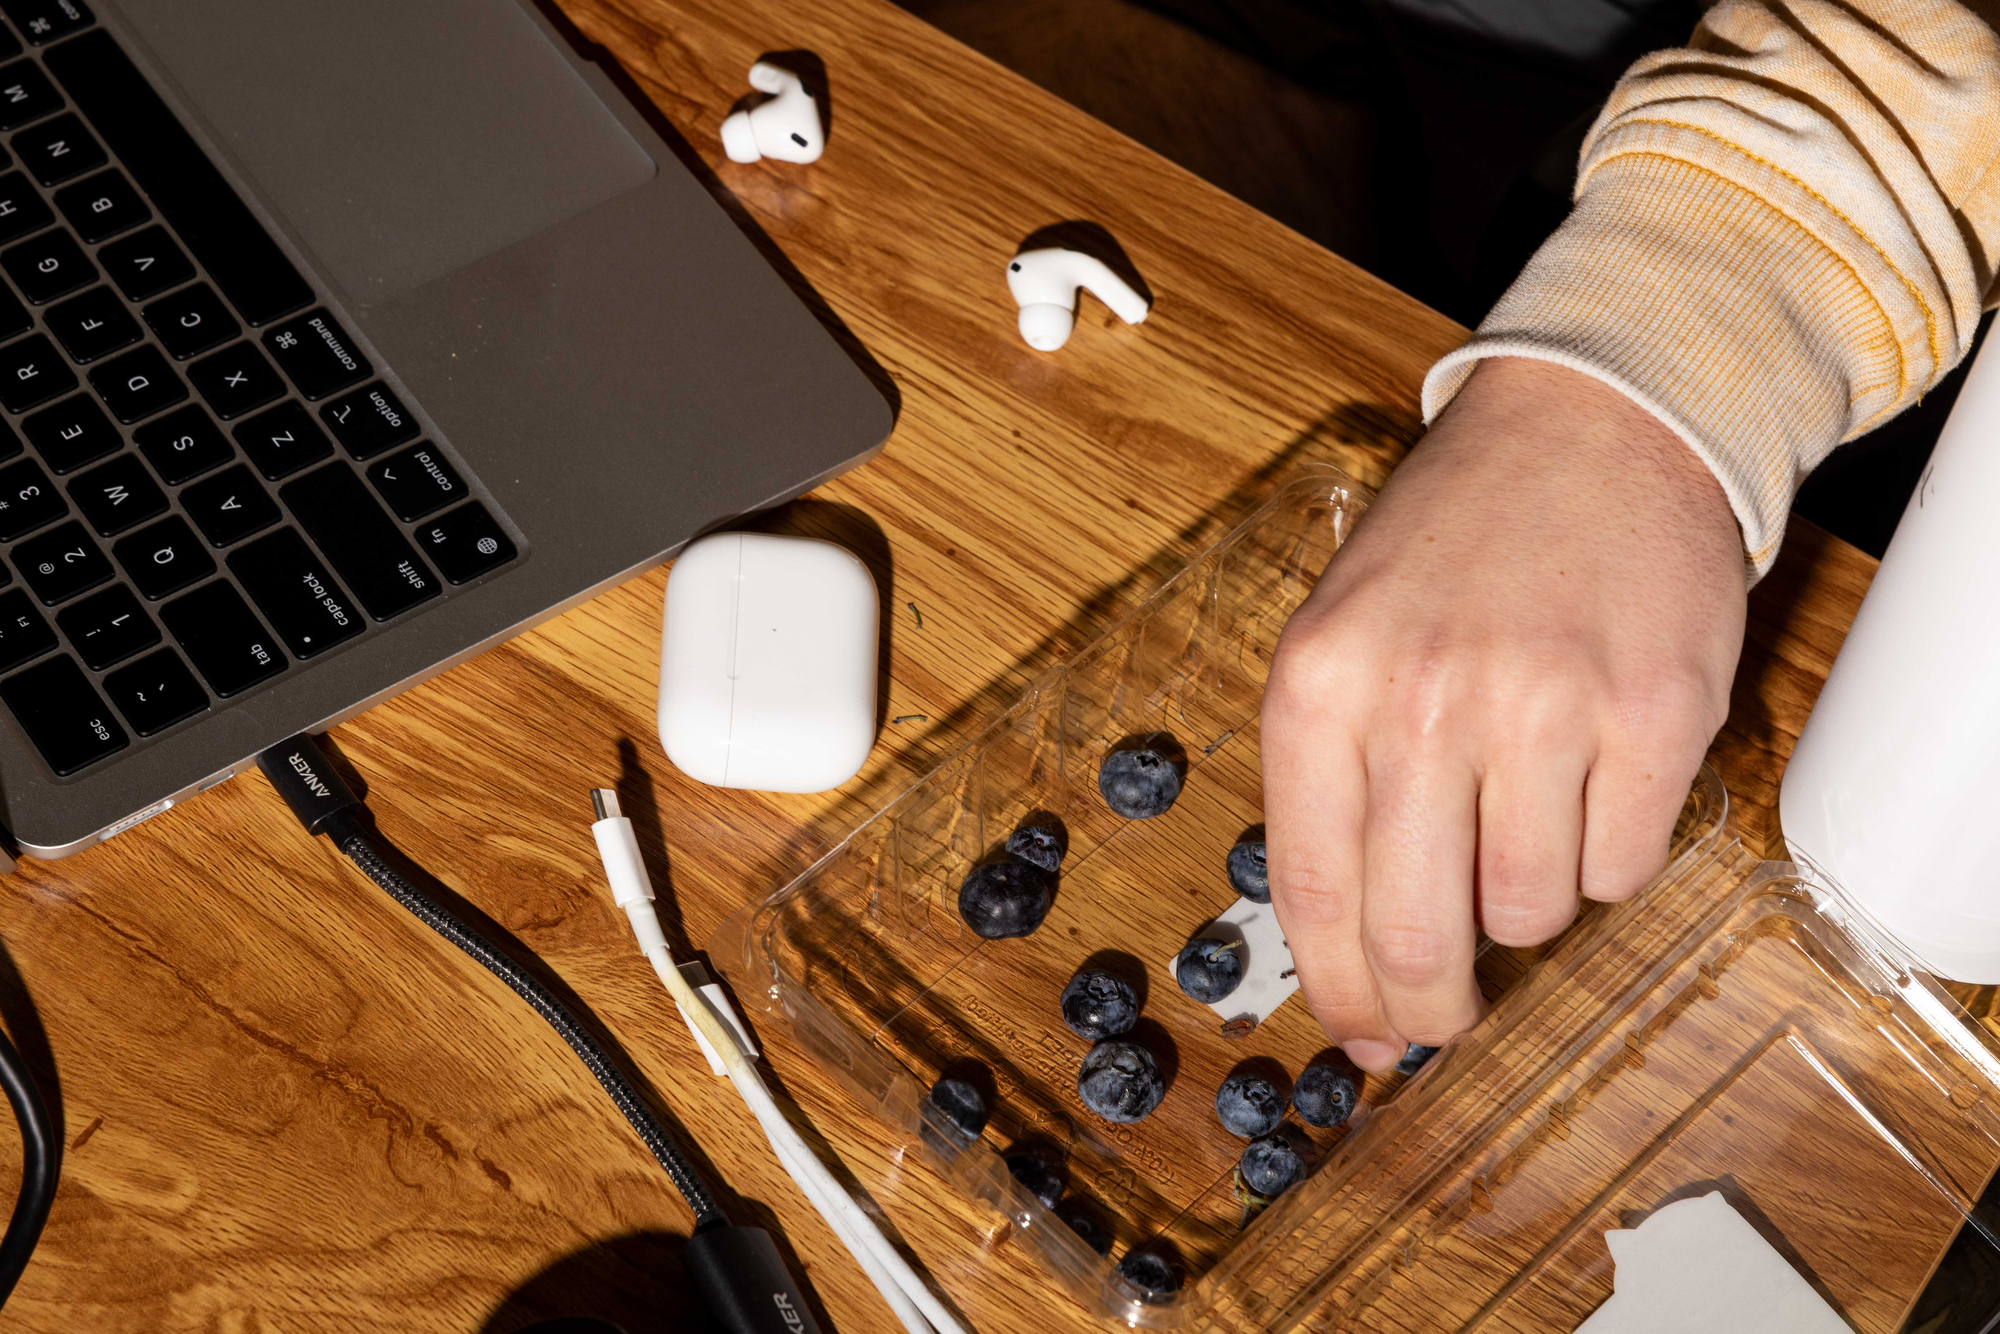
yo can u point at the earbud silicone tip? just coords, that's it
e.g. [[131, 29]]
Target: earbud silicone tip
[[739, 139], [1046, 327]]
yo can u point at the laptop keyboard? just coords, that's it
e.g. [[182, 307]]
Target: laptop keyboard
[[203, 483]]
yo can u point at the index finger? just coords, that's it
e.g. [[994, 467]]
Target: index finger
[[1315, 805]]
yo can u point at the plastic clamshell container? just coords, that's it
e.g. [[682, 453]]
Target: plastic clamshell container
[[1730, 1029]]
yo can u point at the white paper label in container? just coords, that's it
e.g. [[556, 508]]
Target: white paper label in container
[[1268, 976], [1696, 1264]]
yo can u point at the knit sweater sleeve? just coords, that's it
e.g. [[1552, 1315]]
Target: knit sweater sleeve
[[1782, 235]]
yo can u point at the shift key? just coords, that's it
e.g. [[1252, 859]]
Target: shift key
[[366, 547]]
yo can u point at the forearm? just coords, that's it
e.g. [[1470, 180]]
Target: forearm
[[1782, 237]]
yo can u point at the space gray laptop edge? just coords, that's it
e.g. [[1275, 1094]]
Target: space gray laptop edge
[[339, 341]]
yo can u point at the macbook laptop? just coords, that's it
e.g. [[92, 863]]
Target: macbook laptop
[[340, 339]]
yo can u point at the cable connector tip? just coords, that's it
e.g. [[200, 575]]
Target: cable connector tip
[[604, 801]]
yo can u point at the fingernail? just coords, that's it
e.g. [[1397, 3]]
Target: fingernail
[[1374, 1057]]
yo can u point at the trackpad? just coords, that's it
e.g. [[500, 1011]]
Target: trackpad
[[402, 140]]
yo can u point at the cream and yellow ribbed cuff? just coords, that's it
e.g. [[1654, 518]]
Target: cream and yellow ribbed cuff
[[1730, 322]]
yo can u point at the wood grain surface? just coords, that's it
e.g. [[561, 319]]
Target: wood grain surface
[[288, 1107]]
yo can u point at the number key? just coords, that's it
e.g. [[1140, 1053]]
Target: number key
[[61, 563], [27, 499], [108, 627]]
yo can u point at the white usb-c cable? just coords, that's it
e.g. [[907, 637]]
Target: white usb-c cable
[[726, 1044]]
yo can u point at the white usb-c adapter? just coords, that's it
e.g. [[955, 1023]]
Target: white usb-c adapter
[[767, 663]]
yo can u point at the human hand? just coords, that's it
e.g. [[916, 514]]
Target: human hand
[[1495, 699]]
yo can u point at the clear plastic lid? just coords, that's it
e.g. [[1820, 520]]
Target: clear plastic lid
[[1719, 1033]]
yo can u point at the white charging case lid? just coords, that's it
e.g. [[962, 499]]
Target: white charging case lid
[[767, 663]]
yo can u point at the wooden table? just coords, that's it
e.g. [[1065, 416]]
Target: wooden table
[[287, 1106]]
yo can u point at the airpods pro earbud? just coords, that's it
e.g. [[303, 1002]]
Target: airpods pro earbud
[[1044, 284], [786, 128]]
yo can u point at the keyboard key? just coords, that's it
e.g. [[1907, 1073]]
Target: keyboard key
[[369, 420], [229, 646], [191, 320], [465, 543], [183, 444], [31, 372], [102, 206], [92, 325], [61, 563], [10, 45], [107, 627], [72, 433], [368, 550], [63, 715], [163, 558], [45, 20], [48, 266], [235, 380], [143, 265], [282, 440], [24, 634], [137, 385], [27, 500], [230, 506], [25, 94], [10, 445], [58, 149], [317, 353], [22, 209], [14, 317], [179, 179], [155, 692], [417, 481], [296, 593], [116, 496]]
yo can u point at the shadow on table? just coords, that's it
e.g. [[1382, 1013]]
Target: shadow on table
[[634, 1283]]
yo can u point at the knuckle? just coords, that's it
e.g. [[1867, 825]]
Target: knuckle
[[1520, 922], [1409, 954]]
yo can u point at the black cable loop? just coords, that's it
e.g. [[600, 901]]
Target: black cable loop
[[687, 1180], [41, 1162]]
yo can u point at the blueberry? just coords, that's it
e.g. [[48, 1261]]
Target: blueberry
[[961, 1104], [1042, 1178], [1270, 1165], [1098, 1005], [1324, 1096], [1139, 784], [1209, 969], [1149, 1272], [1249, 1106], [1120, 1081], [1001, 899], [1247, 873], [1038, 845], [1093, 1232], [1413, 1059]]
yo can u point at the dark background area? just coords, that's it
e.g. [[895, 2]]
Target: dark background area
[[1432, 142]]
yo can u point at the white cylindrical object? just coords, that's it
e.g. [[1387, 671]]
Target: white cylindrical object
[[1894, 789]]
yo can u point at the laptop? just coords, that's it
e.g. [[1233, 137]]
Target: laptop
[[340, 339]]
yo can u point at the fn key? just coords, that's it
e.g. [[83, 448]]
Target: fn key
[[63, 713]]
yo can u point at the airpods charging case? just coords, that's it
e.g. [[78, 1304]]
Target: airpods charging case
[[767, 663]]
